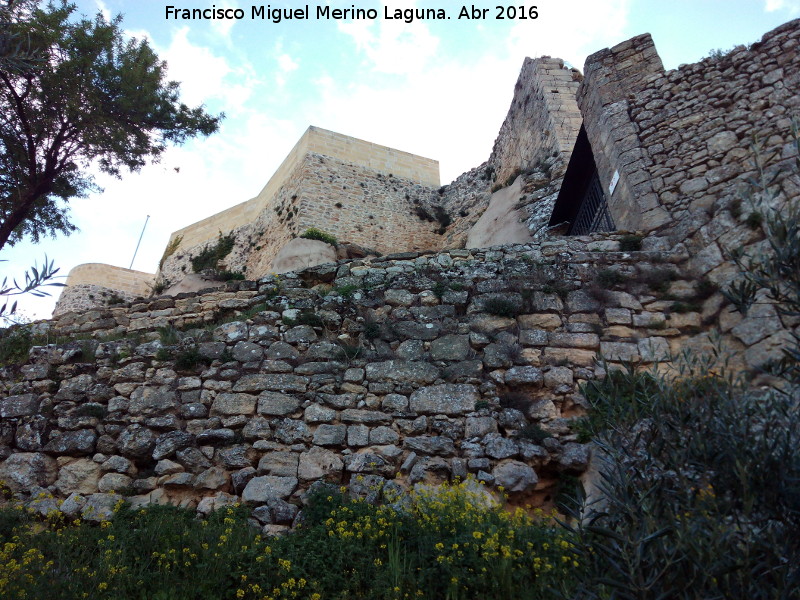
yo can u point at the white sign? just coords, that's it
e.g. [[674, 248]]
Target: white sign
[[613, 185]]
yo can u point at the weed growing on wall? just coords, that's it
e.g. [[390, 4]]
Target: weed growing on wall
[[773, 273], [316, 234], [209, 257]]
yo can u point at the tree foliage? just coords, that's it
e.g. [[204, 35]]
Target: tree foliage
[[35, 280], [83, 95]]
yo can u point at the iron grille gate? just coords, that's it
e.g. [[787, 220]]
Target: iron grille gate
[[593, 214]]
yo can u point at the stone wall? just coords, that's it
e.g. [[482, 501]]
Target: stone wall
[[682, 140], [353, 203], [315, 140], [686, 142], [535, 141], [413, 367], [542, 122], [95, 284]]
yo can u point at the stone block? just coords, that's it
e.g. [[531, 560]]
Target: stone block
[[447, 399], [234, 404]]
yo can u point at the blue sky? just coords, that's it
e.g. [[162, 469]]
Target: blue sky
[[439, 89]]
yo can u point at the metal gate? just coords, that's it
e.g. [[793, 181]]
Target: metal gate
[[593, 214]]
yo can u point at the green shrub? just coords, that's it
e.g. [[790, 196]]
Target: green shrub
[[372, 330], [168, 335], [699, 491], [630, 243], [209, 257], [439, 288], [534, 433], [172, 246], [501, 307], [15, 343], [311, 318], [609, 278], [346, 291], [164, 354], [188, 359], [447, 542], [754, 220], [316, 234], [230, 276]]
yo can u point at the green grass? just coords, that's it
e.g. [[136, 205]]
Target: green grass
[[316, 234]]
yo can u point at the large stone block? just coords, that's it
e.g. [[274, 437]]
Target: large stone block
[[235, 404], [319, 463], [446, 398], [259, 490], [19, 406], [402, 371], [152, 400], [25, 470], [273, 403], [515, 476]]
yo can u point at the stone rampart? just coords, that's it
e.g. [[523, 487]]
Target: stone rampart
[[360, 192], [682, 141], [94, 284], [374, 157], [413, 367]]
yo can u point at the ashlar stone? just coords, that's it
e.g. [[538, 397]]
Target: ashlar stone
[[319, 463], [330, 435], [276, 404]]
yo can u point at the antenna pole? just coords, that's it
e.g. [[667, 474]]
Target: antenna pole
[[139, 242]]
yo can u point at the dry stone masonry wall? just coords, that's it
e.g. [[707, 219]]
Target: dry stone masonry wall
[[411, 368]]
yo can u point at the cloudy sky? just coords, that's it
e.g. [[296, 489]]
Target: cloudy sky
[[437, 88]]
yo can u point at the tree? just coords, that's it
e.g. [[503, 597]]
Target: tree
[[88, 97]]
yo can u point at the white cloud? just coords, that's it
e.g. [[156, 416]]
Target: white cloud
[[286, 64], [223, 26], [397, 47], [792, 6], [205, 75], [591, 25], [101, 6]]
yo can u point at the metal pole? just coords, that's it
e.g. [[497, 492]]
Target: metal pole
[[139, 242]]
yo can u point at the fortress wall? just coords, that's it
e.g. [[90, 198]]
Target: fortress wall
[[682, 140], [118, 278], [440, 385], [382, 159], [612, 77], [543, 120], [354, 203], [375, 157], [95, 284], [361, 206], [536, 139]]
